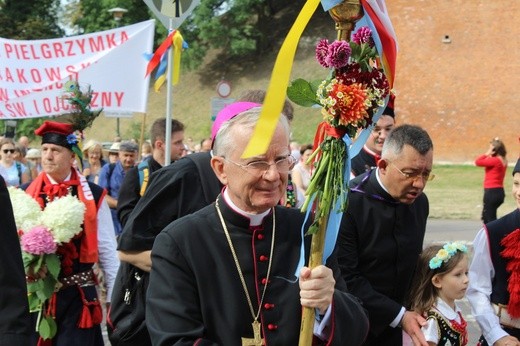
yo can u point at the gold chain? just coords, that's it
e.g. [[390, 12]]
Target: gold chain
[[255, 316]]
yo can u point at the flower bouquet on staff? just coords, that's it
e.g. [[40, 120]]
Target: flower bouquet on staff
[[354, 92], [350, 99], [41, 232]]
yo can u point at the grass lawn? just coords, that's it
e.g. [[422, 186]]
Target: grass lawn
[[456, 192]]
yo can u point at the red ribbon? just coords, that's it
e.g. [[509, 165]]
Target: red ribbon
[[156, 59], [59, 190]]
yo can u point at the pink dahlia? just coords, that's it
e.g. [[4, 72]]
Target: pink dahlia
[[322, 49], [38, 241], [363, 35], [338, 54]]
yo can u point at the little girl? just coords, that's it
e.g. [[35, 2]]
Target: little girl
[[441, 277]]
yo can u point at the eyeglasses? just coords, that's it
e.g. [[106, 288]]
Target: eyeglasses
[[260, 167], [426, 176], [8, 151]]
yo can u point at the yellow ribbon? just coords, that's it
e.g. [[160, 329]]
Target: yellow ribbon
[[176, 68], [277, 90]]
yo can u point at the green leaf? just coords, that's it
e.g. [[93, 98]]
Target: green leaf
[[302, 93], [35, 286], [52, 325], [49, 284], [47, 328], [44, 329], [35, 304], [28, 259], [53, 264]]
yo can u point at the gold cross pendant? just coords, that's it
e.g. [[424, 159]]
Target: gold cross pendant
[[257, 340]]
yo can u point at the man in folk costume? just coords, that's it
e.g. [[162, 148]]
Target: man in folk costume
[[224, 275], [494, 276], [75, 305]]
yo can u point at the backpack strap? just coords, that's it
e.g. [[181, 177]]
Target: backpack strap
[[144, 173], [19, 169], [111, 167]]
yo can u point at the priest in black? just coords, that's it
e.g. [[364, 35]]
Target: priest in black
[[370, 154], [15, 324], [381, 234], [226, 275]]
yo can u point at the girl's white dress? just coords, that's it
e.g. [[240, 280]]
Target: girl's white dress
[[450, 330]]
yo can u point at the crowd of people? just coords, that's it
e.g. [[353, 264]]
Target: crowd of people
[[203, 251]]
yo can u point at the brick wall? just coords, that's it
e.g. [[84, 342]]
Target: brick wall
[[465, 92]]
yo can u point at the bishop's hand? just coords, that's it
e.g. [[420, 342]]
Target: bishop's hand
[[316, 288]]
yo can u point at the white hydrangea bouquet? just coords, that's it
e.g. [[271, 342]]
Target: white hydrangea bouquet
[[41, 232]]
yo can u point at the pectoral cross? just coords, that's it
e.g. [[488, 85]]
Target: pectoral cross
[[257, 339]]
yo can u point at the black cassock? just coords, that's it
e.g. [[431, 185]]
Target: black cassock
[[378, 247], [15, 324], [181, 188], [363, 162], [195, 294]]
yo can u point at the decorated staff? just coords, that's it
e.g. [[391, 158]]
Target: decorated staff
[[352, 98]]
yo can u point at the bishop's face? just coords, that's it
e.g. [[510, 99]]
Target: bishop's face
[[57, 161], [252, 190]]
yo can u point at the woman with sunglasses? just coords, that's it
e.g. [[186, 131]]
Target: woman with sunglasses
[[14, 172]]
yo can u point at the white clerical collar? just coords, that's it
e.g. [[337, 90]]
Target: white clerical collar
[[55, 182], [446, 310], [370, 151], [379, 180], [254, 219]]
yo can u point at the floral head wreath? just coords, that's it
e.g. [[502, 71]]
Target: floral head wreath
[[447, 252]]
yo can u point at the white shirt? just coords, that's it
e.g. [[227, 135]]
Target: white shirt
[[107, 247], [481, 272], [431, 329]]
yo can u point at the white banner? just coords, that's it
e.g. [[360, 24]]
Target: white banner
[[112, 62]]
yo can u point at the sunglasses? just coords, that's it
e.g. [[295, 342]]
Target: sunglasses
[[8, 151]]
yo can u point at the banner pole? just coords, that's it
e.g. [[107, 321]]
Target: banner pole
[[169, 102], [141, 135]]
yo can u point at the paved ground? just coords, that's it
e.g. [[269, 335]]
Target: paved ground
[[450, 230]]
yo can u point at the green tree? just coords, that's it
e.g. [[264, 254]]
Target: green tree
[[29, 20], [238, 28], [86, 16]]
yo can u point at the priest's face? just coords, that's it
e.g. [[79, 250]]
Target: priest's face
[[254, 189], [381, 129], [405, 175], [57, 161]]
